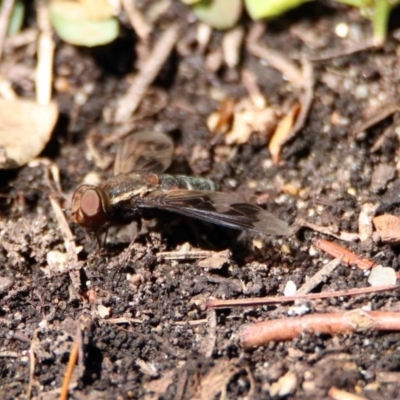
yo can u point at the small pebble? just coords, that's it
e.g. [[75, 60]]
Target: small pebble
[[381, 276]]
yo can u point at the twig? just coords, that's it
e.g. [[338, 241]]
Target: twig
[[5, 15], [284, 329], [286, 299], [306, 98], [339, 394], [377, 117], [73, 358], [9, 354], [45, 56], [345, 236], [341, 52], [192, 254], [32, 364], [208, 343], [137, 20], [348, 257], [195, 322], [275, 59], [128, 104], [23, 38], [319, 277], [69, 241]]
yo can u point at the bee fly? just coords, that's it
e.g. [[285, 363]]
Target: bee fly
[[139, 184]]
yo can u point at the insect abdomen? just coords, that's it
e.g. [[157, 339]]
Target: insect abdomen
[[169, 182]]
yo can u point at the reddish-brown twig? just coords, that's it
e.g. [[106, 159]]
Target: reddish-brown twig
[[73, 358], [286, 299], [262, 333], [347, 256]]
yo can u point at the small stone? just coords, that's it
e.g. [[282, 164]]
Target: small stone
[[382, 276], [103, 311], [56, 260], [382, 174], [285, 386], [290, 289]]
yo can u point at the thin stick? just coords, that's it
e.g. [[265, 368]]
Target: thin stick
[[128, 104], [73, 358], [378, 116], [208, 343], [275, 59], [341, 52], [284, 329], [32, 364], [66, 232], [319, 277], [192, 254], [287, 299], [137, 20], [306, 98], [345, 236], [348, 257], [45, 56]]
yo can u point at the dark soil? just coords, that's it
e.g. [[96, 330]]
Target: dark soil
[[155, 337]]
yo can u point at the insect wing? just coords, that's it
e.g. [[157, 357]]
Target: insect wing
[[218, 208], [144, 151]]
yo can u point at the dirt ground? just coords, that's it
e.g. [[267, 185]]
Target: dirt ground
[[137, 314]]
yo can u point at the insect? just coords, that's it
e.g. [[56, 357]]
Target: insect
[[139, 185]]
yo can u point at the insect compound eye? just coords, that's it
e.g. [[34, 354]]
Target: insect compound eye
[[88, 208], [91, 204]]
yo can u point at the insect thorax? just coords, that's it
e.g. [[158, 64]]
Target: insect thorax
[[170, 182]]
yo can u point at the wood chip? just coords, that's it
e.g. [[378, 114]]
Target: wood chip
[[282, 132], [216, 261], [388, 228]]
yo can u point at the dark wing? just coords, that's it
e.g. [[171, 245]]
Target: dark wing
[[218, 208], [144, 151]]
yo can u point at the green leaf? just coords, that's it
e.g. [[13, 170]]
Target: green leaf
[[17, 17], [258, 9], [220, 14], [74, 26]]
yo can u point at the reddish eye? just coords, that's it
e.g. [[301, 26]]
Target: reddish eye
[[91, 203]]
